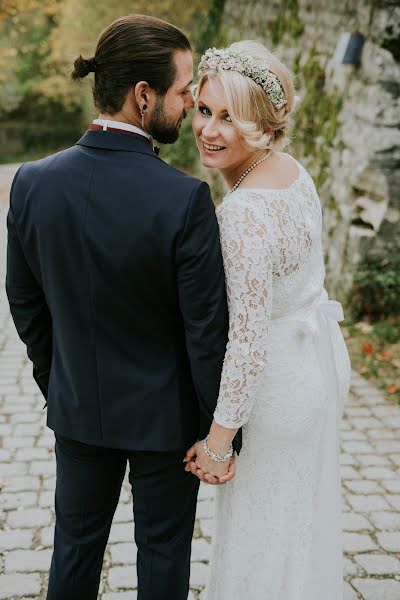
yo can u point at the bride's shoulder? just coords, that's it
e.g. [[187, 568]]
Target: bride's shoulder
[[278, 172], [284, 168], [303, 176], [288, 159], [242, 206], [301, 168], [234, 201]]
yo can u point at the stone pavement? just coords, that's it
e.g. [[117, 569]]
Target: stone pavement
[[370, 469]]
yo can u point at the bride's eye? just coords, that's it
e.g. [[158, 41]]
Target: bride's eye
[[227, 118], [205, 111]]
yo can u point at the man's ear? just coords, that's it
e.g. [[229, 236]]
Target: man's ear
[[143, 93]]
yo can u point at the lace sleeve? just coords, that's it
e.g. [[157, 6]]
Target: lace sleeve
[[246, 247]]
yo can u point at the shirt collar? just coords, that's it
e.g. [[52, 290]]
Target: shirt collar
[[105, 123]]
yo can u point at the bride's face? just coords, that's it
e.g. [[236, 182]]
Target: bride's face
[[219, 142]]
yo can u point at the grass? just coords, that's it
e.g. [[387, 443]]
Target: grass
[[374, 350]]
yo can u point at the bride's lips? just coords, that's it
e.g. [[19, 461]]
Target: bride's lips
[[211, 149]]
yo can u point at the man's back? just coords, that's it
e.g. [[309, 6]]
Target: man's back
[[126, 251], [116, 285]]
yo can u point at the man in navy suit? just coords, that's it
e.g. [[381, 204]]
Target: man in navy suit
[[116, 286]]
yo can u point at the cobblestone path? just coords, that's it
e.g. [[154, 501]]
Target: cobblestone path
[[370, 470]]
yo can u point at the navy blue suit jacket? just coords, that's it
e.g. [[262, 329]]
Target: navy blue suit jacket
[[116, 285]]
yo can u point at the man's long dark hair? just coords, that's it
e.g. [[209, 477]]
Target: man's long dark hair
[[133, 48]]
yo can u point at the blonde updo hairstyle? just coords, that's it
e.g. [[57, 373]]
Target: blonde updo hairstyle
[[248, 105]]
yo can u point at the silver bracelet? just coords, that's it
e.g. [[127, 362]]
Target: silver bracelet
[[214, 455]]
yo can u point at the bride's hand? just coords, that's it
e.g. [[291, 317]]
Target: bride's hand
[[207, 469]]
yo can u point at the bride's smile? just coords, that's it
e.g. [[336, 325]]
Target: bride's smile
[[219, 142]]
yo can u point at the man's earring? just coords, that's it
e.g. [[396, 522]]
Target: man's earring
[[142, 112]]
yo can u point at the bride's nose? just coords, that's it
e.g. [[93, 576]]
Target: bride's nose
[[210, 129]]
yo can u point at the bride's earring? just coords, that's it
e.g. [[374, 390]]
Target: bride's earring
[[142, 112]]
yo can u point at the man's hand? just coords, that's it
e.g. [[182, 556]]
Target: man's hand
[[207, 469]]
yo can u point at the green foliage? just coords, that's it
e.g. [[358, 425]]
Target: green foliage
[[316, 120], [287, 22], [24, 34], [210, 31], [387, 331], [376, 289], [375, 352], [39, 40], [38, 138], [332, 206], [31, 56], [184, 153], [33, 122]]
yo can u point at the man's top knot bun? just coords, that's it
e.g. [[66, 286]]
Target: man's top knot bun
[[83, 66]]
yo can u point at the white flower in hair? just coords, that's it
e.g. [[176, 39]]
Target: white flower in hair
[[228, 60]]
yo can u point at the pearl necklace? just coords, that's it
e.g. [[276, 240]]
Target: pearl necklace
[[247, 171]]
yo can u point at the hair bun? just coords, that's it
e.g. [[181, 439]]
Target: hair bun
[[83, 66]]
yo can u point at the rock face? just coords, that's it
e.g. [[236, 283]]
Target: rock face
[[347, 127]]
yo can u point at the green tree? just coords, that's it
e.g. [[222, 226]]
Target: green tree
[[39, 41]]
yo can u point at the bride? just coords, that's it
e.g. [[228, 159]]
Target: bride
[[286, 369]]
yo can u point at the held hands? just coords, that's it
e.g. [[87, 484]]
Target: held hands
[[207, 469]]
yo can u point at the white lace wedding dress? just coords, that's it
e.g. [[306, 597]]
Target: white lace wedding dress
[[285, 379]]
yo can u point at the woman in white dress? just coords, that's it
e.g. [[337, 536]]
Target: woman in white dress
[[286, 371]]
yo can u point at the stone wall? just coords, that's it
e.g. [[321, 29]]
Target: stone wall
[[346, 131]]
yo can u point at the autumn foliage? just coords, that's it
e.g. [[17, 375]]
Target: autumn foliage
[[39, 40]]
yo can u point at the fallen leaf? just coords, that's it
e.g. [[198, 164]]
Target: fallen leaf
[[396, 363], [367, 348], [364, 370], [392, 389], [385, 356]]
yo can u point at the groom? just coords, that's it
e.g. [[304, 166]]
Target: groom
[[116, 285]]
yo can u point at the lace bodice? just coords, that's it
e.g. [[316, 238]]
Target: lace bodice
[[271, 245]]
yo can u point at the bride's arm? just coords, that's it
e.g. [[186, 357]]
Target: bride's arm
[[246, 243]]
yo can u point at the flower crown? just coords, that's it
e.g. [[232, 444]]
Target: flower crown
[[229, 60]]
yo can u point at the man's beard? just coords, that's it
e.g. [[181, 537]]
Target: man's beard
[[161, 127]]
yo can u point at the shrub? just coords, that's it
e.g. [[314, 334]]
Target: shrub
[[376, 289]]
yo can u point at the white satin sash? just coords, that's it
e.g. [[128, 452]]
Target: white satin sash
[[314, 321]]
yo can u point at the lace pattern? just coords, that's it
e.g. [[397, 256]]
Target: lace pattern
[[278, 522], [267, 237]]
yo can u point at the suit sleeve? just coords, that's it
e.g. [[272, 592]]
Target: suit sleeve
[[202, 298], [28, 305]]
